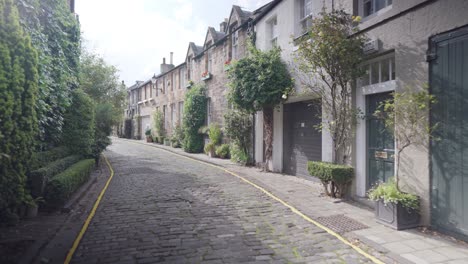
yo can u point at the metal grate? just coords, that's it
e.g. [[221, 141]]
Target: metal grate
[[341, 223]]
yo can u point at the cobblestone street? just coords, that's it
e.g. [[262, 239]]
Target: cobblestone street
[[163, 208]]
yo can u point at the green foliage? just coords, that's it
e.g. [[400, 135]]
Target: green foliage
[[41, 159], [215, 134], [194, 118], [329, 62], [79, 127], [55, 34], [39, 177], [148, 132], [18, 117], [335, 175], [259, 80], [210, 148], [389, 193], [63, 185], [238, 154], [223, 151], [104, 120], [178, 136], [238, 128], [159, 123]]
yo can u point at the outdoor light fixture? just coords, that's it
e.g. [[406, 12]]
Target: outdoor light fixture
[[153, 81]]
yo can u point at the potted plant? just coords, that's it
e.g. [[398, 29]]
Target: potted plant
[[394, 208], [189, 84], [223, 151], [227, 65], [210, 149], [167, 142], [206, 76], [32, 207], [161, 140], [149, 138]]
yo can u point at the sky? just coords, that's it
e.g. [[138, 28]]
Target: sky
[[135, 35]]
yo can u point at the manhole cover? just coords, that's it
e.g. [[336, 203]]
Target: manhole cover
[[341, 223]]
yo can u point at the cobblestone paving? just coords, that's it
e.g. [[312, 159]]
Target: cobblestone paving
[[164, 208]]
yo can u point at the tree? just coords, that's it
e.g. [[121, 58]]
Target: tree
[[238, 128], [18, 118], [194, 118], [55, 34], [329, 60], [259, 82], [79, 127], [406, 117]]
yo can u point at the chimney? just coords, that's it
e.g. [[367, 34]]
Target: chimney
[[172, 55], [164, 61], [223, 25], [166, 67]]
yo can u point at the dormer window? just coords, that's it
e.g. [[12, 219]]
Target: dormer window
[[305, 18]]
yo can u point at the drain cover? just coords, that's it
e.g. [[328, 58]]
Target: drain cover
[[341, 223]]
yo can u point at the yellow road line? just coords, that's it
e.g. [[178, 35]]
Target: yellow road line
[[292, 208], [90, 216]]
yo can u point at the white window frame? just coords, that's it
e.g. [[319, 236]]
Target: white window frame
[[305, 15], [182, 77], [369, 64], [273, 31], [373, 11], [181, 111]]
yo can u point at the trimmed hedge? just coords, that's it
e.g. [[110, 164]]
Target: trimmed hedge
[[63, 185], [41, 159], [39, 177], [336, 175]]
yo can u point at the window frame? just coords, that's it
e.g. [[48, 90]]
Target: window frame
[[390, 57], [373, 10]]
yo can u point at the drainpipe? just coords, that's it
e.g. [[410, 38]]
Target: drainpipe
[[253, 139]]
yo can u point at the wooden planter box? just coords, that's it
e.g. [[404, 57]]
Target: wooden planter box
[[396, 216]]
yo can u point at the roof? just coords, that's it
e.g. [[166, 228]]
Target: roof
[[136, 85], [262, 11]]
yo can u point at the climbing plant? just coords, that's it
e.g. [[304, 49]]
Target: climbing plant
[[259, 82], [194, 117], [55, 34], [18, 118]]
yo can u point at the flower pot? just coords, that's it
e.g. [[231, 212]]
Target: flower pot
[[31, 211], [167, 142], [396, 216], [149, 139]]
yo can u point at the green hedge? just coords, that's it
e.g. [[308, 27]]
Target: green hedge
[[194, 118], [39, 177], [223, 151], [334, 177], [41, 159], [63, 185]]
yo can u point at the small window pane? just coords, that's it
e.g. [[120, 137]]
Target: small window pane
[[367, 8], [392, 61], [379, 4], [385, 70], [375, 72]]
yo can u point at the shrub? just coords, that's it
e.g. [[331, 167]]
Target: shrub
[[333, 176], [41, 159], [39, 177], [389, 193], [178, 136], [210, 148], [159, 124], [79, 129], [238, 155], [215, 134], [194, 118], [63, 185], [222, 151], [104, 120], [238, 128]]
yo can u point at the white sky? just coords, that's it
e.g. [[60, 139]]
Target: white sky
[[134, 35]]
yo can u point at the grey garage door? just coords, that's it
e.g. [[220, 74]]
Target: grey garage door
[[145, 124], [302, 142], [449, 149]]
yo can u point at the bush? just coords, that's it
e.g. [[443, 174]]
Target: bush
[[194, 118], [389, 193], [104, 120], [79, 127], [63, 185], [332, 175], [215, 134], [223, 151], [41, 159], [238, 128], [158, 119], [178, 136], [210, 148], [238, 155], [39, 177]]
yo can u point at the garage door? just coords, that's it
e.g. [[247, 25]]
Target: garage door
[[145, 124], [302, 142], [449, 149]]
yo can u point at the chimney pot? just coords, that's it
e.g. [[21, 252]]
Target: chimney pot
[[172, 55], [164, 60]]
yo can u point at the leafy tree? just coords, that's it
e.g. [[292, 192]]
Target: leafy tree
[[194, 118], [405, 116], [329, 60], [238, 128], [18, 118], [159, 123], [258, 82], [55, 34], [79, 127]]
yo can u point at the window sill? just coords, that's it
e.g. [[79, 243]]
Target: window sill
[[382, 87]]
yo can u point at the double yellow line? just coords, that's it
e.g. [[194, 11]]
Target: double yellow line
[[292, 208]]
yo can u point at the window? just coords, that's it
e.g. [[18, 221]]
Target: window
[[305, 17], [208, 111], [372, 6], [210, 60], [379, 70], [181, 112], [172, 115], [273, 25], [164, 116], [235, 44], [182, 77], [171, 82], [164, 85]]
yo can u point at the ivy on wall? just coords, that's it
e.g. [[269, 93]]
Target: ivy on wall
[[194, 118]]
